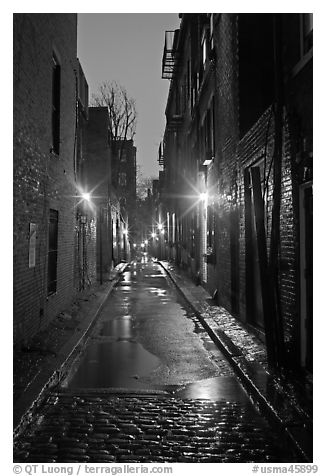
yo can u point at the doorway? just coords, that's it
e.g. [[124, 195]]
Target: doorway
[[306, 274]]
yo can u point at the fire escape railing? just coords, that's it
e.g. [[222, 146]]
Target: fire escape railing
[[169, 54]]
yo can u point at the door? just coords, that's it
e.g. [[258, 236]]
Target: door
[[306, 275], [254, 299]]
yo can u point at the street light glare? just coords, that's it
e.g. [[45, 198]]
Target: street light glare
[[86, 196], [203, 196]]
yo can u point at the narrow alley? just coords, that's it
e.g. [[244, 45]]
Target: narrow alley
[[150, 386], [163, 238]]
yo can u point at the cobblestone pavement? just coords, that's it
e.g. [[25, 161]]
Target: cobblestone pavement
[[165, 416], [104, 429], [298, 393]]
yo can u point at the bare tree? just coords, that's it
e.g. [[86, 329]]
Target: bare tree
[[122, 113]]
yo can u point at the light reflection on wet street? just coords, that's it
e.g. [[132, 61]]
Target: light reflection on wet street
[[150, 386], [147, 337]]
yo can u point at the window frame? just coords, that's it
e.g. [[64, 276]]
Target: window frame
[[53, 233], [55, 106]]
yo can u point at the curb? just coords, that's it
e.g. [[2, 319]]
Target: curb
[[301, 437], [27, 405]]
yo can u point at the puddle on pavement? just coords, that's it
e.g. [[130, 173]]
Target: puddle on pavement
[[217, 388], [121, 327], [117, 360], [115, 364]]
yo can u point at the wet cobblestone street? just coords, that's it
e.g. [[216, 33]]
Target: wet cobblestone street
[[150, 386], [104, 429]]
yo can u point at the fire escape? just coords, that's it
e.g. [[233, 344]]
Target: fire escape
[[169, 54]]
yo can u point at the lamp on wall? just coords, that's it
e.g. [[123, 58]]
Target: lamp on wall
[[208, 162]]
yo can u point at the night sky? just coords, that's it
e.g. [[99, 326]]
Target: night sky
[[128, 48]]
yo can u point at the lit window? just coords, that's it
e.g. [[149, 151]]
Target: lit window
[[204, 45]]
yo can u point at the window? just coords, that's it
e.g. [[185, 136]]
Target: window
[[301, 40], [205, 47], [211, 30], [210, 229], [53, 252], [56, 77], [188, 80], [256, 88], [122, 179], [124, 156], [306, 28]]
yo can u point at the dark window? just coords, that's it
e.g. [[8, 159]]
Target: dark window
[[56, 74], [307, 29], [256, 67], [53, 252], [210, 228], [188, 79]]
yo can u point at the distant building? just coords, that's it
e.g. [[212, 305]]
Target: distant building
[[86, 230], [124, 172], [96, 180]]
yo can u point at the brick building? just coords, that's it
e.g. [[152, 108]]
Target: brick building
[[237, 159], [124, 171], [86, 255], [96, 180], [44, 169]]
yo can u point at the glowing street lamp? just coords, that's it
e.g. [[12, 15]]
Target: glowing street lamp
[[86, 196], [203, 196]]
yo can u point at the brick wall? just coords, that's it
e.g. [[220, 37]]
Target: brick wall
[[222, 176], [252, 148], [97, 179], [241, 82], [42, 180], [226, 185]]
